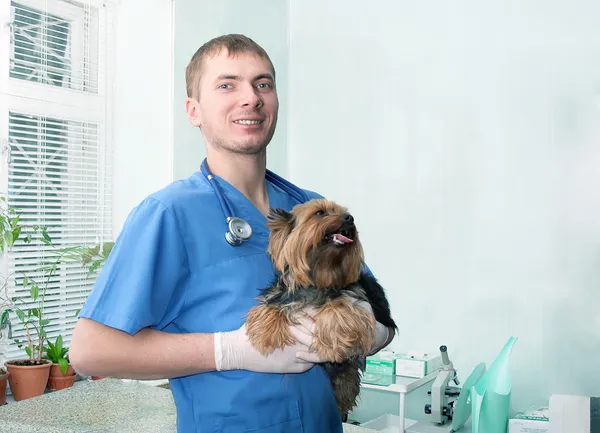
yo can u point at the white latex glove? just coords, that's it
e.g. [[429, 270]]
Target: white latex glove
[[304, 334], [382, 332], [233, 351]]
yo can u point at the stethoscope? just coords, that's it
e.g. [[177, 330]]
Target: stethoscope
[[238, 229]]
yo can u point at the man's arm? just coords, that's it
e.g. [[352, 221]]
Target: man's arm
[[97, 349], [100, 350], [383, 337], [138, 292]]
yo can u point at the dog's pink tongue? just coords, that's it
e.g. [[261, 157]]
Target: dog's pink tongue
[[342, 238]]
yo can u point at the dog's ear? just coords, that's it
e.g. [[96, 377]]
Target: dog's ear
[[281, 224], [279, 218]]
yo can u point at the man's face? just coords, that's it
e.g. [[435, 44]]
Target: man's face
[[238, 104]]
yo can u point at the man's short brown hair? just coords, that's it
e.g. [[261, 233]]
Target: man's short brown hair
[[233, 43]]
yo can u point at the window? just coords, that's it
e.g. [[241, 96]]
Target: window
[[55, 142]]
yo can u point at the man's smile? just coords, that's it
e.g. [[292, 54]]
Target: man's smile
[[248, 122]]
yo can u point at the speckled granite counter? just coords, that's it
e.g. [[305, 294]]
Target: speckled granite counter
[[103, 406]]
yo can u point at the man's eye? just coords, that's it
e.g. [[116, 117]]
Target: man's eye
[[264, 86], [224, 86]]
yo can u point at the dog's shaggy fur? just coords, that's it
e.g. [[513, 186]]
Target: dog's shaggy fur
[[319, 261]]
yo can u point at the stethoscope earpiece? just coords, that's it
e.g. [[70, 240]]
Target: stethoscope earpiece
[[238, 229]]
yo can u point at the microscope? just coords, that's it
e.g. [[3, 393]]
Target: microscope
[[450, 406], [443, 396]]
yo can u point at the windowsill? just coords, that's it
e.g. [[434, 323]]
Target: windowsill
[[162, 383]]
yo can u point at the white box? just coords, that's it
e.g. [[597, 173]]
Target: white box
[[387, 423], [574, 413], [533, 420], [417, 366]]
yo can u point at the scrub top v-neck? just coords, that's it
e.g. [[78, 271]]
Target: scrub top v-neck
[[171, 269], [245, 209]]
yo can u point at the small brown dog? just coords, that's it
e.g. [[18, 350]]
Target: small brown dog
[[319, 260]]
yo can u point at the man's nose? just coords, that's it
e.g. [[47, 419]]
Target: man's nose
[[250, 98]]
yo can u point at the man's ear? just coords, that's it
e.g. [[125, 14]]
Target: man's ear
[[193, 112], [281, 224]]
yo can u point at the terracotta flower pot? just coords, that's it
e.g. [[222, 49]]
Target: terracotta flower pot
[[57, 380], [61, 382], [3, 381], [27, 381], [55, 371], [98, 377]]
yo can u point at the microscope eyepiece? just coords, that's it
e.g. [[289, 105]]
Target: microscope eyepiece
[[445, 359]]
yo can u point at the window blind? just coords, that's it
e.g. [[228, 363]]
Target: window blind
[[57, 165]]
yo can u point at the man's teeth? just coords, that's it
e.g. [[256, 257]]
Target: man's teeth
[[249, 122]]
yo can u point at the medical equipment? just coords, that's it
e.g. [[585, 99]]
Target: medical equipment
[[401, 386], [238, 229], [450, 406], [442, 395], [574, 413], [536, 418]]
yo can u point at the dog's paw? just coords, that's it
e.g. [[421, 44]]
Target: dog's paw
[[267, 328], [343, 331]]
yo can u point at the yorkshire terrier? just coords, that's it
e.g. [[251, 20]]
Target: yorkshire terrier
[[319, 264]]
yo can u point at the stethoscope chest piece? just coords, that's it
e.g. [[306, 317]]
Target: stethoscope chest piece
[[239, 231]]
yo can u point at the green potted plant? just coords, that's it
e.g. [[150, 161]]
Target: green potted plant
[[25, 376], [28, 377], [3, 385], [62, 374], [9, 229]]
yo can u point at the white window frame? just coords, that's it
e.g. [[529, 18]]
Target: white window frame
[[17, 95]]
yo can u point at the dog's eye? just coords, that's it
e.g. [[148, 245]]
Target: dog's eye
[[320, 212]]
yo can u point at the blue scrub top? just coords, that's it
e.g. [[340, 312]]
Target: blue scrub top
[[171, 269]]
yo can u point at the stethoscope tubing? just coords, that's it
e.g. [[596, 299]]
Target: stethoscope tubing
[[296, 193]]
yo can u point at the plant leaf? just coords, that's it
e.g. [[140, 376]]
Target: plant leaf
[[34, 291], [20, 315], [95, 265], [64, 365], [4, 318], [59, 343], [107, 248], [8, 237]]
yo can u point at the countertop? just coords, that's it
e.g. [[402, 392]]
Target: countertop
[[86, 407]]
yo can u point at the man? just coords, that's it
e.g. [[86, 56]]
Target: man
[[172, 296]]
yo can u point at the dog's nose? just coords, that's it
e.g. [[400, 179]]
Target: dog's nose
[[348, 218]]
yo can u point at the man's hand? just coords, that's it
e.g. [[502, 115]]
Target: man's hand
[[382, 332], [383, 335], [233, 351]]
